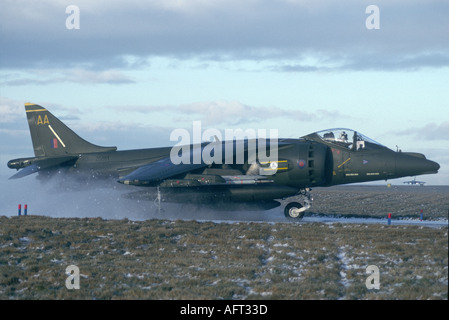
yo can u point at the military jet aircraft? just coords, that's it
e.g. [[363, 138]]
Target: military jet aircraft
[[325, 158], [415, 182]]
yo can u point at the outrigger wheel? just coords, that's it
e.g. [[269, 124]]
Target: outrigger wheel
[[293, 210]]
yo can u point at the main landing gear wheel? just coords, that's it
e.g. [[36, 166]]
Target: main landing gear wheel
[[294, 210]]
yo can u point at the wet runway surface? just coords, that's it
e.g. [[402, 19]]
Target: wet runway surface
[[363, 204]]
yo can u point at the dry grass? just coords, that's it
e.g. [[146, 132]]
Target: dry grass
[[159, 259], [378, 201]]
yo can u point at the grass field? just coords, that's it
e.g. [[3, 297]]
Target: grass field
[[162, 259], [378, 201]]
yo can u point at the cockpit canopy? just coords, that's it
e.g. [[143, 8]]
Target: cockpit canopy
[[347, 138]]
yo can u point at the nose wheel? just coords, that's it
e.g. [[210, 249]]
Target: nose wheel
[[295, 210]]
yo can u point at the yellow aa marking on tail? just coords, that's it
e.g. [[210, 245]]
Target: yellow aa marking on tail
[[39, 120]]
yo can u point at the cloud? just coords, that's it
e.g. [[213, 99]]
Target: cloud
[[430, 132], [124, 135], [365, 62], [412, 35], [76, 75], [10, 110], [231, 113]]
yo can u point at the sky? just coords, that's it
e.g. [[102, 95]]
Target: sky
[[127, 73]]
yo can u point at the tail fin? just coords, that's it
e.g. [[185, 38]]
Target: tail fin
[[51, 137]]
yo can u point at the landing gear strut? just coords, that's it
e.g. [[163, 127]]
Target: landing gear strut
[[295, 210]]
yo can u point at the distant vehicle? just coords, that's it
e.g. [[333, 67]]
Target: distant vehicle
[[414, 182], [325, 158]]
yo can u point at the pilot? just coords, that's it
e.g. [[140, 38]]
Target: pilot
[[343, 136]]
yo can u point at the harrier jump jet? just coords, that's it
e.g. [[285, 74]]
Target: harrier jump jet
[[414, 182], [325, 158]]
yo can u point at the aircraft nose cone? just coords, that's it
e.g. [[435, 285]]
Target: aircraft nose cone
[[435, 166], [416, 164], [427, 166]]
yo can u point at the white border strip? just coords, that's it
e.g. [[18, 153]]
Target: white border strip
[[56, 135]]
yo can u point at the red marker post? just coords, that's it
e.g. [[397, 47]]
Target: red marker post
[[421, 215], [389, 218], [20, 210], [25, 210]]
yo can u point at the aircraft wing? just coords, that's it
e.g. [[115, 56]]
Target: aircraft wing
[[159, 171], [154, 173]]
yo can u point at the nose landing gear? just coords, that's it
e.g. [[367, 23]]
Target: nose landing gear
[[295, 210]]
